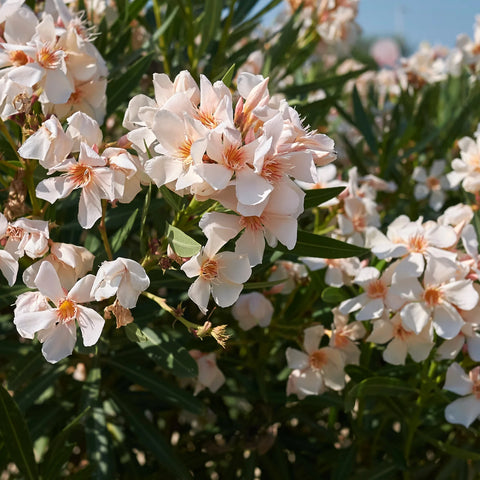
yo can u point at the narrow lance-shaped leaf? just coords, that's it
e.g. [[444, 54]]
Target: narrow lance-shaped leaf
[[168, 353], [164, 390], [121, 235], [317, 196], [119, 89], [152, 438], [16, 436], [311, 245]]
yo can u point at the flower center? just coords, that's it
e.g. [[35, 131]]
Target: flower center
[[80, 174], [377, 289], [251, 223], [209, 269], [67, 310], [48, 58], [207, 119], [272, 170], [432, 296], [317, 360], [15, 233], [184, 151], [359, 222], [18, 58], [417, 243], [233, 158], [400, 333], [433, 183]]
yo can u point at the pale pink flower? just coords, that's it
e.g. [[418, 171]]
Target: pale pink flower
[[377, 297], [466, 410], [71, 262], [431, 184], [358, 214], [326, 178], [314, 369], [401, 340], [340, 271], [413, 242], [344, 334], [55, 326], [221, 274], [49, 144], [443, 293], [252, 309], [46, 65], [25, 237], [292, 274], [181, 145], [466, 169], [124, 277], [8, 263], [91, 174], [209, 375]]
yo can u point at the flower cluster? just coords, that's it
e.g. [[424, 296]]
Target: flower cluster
[[51, 59], [195, 141]]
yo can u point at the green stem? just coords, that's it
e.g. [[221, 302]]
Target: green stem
[[161, 40], [103, 231], [10, 140], [164, 306], [28, 179]]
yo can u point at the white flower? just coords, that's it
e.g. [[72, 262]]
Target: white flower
[[209, 375], [252, 309], [123, 277], [221, 274], [440, 298], [431, 183], [315, 368], [55, 327], [401, 340], [463, 410]]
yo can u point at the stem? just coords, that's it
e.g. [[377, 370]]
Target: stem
[[161, 39], [10, 140], [428, 370], [103, 231], [164, 306], [28, 179]]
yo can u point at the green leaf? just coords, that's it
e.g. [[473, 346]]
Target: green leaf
[[334, 295], [377, 386], [158, 386], [315, 197], [450, 449], [182, 244], [362, 122], [134, 333], [30, 394], [121, 235], [311, 245], [152, 439], [15, 432], [210, 23], [167, 353], [174, 200], [119, 89], [261, 285], [344, 463], [60, 449], [96, 432], [228, 76], [143, 221]]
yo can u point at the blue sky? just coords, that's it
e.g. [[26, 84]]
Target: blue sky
[[437, 21]]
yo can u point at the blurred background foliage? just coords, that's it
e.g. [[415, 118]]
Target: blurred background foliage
[[125, 408]]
